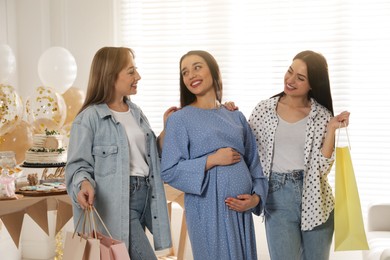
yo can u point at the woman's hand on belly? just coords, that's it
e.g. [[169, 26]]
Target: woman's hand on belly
[[223, 156], [243, 202]]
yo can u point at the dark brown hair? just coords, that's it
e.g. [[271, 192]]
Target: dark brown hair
[[186, 97], [318, 76]]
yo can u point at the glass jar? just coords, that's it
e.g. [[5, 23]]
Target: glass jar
[[7, 161], [7, 174]]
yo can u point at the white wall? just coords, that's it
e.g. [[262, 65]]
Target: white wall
[[30, 27]]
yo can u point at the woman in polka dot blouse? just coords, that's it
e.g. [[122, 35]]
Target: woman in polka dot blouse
[[210, 153], [295, 133]]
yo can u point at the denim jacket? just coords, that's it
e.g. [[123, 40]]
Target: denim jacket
[[99, 152]]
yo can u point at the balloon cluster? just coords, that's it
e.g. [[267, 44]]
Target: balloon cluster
[[46, 108]]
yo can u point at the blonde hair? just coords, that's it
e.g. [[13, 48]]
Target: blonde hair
[[105, 67]]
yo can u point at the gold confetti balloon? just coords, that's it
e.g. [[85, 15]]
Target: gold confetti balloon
[[45, 109], [11, 109]]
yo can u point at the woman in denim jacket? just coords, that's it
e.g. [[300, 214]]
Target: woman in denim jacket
[[113, 157]]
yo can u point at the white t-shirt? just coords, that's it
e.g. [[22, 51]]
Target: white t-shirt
[[137, 143], [289, 149]]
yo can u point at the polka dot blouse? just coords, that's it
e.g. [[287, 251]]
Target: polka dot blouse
[[317, 197]]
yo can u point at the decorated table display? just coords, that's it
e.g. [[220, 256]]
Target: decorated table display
[[53, 105]]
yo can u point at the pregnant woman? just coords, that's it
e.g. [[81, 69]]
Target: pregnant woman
[[210, 153]]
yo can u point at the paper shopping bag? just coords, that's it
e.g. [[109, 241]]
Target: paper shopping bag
[[110, 248], [74, 247], [83, 246], [79, 247], [92, 249], [349, 227]]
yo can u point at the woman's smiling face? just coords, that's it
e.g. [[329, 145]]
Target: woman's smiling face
[[296, 81], [196, 75], [128, 77]]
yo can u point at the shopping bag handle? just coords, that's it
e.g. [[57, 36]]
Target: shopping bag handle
[[84, 223], [91, 221], [338, 135], [93, 209]]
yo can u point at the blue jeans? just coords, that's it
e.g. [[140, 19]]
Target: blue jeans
[[285, 238], [140, 248]]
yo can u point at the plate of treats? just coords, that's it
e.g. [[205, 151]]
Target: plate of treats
[[44, 189]]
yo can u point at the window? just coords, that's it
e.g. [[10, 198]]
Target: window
[[254, 42]]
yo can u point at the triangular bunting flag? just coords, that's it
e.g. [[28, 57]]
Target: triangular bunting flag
[[64, 213], [13, 222], [38, 212]]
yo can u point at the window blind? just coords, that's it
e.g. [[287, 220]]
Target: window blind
[[254, 42]]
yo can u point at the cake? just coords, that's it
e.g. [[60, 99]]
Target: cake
[[47, 150]]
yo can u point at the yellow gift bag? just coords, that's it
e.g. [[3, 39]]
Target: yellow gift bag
[[349, 227]]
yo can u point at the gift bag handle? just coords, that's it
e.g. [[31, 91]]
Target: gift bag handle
[[84, 223], [338, 135], [93, 209], [91, 219], [78, 223]]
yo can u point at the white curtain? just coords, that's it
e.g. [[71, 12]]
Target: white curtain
[[254, 42]]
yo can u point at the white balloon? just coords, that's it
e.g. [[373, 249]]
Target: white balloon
[[57, 68], [7, 62]]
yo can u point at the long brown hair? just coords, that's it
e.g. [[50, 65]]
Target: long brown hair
[[186, 97], [318, 76], [105, 67]]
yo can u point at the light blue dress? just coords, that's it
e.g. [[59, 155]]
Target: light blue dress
[[216, 233]]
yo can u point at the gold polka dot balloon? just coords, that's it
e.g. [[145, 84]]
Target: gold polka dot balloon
[[45, 109], [11, 109]]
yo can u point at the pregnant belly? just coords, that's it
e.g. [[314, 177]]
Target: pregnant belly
[[234, 179]]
